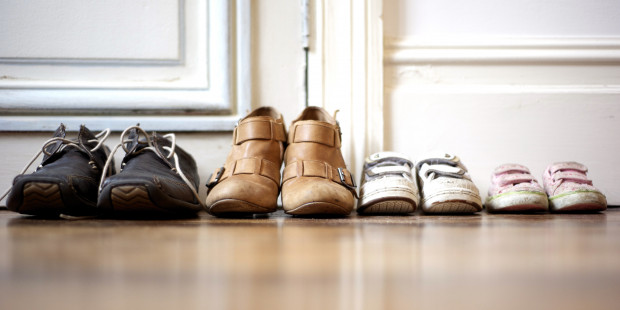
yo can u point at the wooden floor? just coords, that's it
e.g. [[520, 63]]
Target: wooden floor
[[482, 261]]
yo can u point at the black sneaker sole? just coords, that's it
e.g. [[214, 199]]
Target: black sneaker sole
[[40, 198], [48, 198], [132, 199], [143, 200]]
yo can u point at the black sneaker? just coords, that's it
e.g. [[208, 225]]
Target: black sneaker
[[67, 179], [157, 178]]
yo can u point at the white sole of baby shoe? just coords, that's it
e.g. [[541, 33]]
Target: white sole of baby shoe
[[518, 202], [376, 200], [587, 201], [452, 203], [390, 206]]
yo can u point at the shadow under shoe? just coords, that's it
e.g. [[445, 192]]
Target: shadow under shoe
[[66, 181], [249, 181], [151, 184]]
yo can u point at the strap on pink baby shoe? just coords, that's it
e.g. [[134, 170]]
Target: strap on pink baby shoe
[[514, 178], [509, 168], [568, 166], [572, 176]]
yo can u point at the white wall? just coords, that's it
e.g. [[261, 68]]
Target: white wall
[[501, 17], [276, 80], [530, 82]]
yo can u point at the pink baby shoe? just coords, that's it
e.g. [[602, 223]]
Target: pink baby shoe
[[569, 189], [514, 189]]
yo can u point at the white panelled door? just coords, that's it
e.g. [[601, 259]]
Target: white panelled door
[[112, 63]]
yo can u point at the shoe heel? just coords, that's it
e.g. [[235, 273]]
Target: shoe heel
[[41, 198], [131, 199]]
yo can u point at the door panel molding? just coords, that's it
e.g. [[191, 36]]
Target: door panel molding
[[345, 66], [506, 50], [206, 87]]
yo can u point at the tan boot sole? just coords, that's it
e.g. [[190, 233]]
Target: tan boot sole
[[319, 208], [235, 206]]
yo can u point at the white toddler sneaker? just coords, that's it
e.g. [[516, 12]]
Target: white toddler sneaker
[[388, 185], [446, 186]]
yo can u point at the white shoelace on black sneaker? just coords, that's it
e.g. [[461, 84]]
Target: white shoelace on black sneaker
[[100, 138], [172, 154]]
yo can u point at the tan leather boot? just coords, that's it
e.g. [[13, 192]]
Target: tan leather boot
[[316, 180], [249, 182]]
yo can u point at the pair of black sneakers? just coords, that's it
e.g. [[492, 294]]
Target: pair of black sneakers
[[78, 178]]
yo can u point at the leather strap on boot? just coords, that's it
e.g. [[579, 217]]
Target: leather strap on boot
[[311, 131], [258, 129], [252, 129], [319, 169], [251, 165]]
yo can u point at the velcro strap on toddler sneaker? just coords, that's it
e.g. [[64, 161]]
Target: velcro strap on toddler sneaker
[[388, 170], [568, 166], [312, 131], [395, 157], [257, 129], [572, 176], [510, 168], [315, 168], [514, 178], [447, 159], [443, 170]]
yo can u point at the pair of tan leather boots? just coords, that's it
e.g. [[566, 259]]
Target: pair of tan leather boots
[[315, 180]]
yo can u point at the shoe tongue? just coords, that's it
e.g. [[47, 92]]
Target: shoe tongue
[[266, 112], [159, 142], [133, 136], [60, 132], [316, 114], [99, 156], [84, 135]]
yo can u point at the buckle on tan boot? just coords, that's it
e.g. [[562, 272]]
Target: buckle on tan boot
[[213, 181], [343, 181]]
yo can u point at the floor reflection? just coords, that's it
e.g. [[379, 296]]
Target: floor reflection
[[285, 262]]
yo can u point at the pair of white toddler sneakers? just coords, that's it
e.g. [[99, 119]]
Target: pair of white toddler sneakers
[[390, 184]]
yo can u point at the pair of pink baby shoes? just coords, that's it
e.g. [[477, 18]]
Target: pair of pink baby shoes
[[566, 188]]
